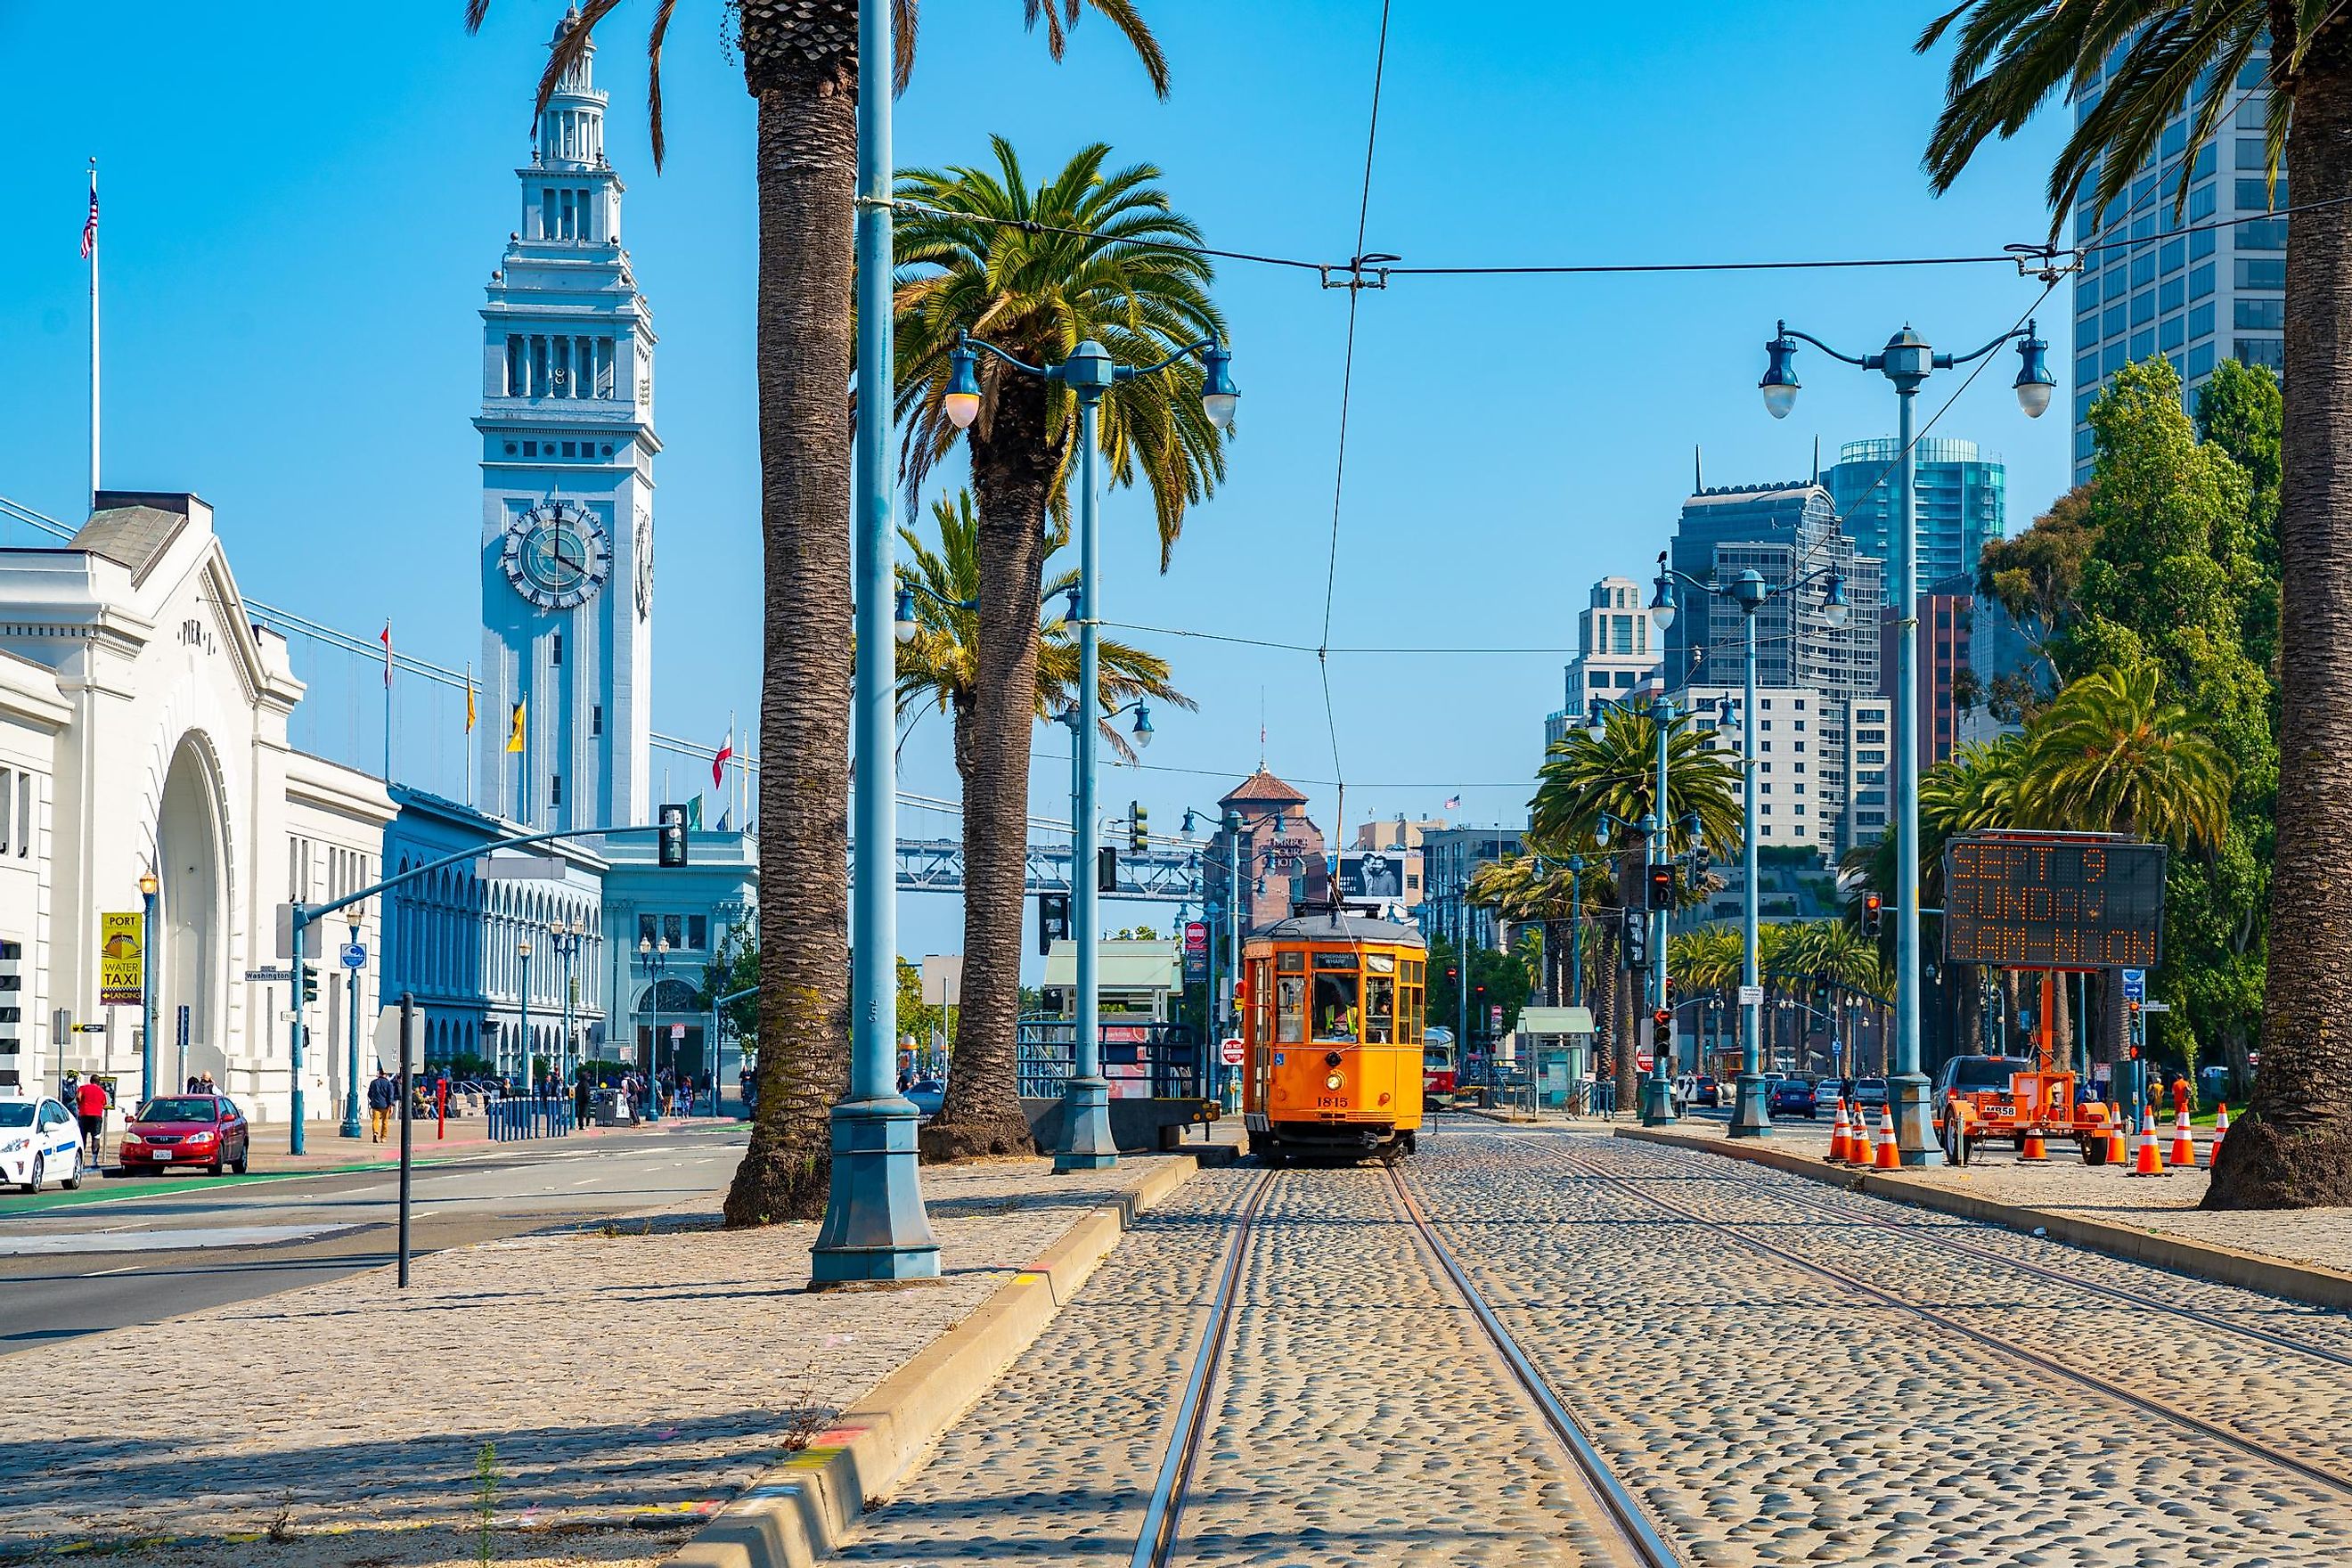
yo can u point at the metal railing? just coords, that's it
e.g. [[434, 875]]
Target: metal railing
[[539, 1116], [1141, 1059]]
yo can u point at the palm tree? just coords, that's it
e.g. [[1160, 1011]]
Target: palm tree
[[2296, 1149], [2110, 755], [800, 64], [940, 665], [966, 264], [1584, 778]]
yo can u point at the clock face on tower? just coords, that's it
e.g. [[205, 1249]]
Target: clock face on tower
[[558, 554]]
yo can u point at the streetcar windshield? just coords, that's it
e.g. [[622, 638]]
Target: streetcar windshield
[[1335, 1006]]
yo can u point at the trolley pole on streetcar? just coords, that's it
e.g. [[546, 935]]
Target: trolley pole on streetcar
[[1089, 373], [1906, 360]]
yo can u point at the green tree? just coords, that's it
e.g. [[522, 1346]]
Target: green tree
[[941, 665], [2036, 577], [1497, 979], [983, 255], [800, 65], [733, 967], [2134, 64]]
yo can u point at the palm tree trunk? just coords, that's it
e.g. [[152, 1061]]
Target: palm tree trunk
[[1628, 1038], [2295, 1147], [807, 151], [981, 1113]]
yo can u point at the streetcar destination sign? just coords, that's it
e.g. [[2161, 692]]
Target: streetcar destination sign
[[2029, 901]]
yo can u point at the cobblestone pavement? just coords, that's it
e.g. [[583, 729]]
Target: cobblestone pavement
[[1360, 1420], [1767, 1416], [2066, 1185], [629, 1378]]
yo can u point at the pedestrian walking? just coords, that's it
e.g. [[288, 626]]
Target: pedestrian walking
[[90, 1106], [383, 1095], [2180, 1095]]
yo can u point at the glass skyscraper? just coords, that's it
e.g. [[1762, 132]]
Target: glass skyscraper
[[1961, 495], [2149, 288]]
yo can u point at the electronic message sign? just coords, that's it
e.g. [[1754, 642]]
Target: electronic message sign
[[2021, 900]]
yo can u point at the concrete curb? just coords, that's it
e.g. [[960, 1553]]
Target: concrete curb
[[804, 1510], [2305, 1282]]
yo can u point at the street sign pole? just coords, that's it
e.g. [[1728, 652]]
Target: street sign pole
[[350, 1127]]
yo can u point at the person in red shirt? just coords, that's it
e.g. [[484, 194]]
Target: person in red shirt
[[89, 1104], [2179, 1094]]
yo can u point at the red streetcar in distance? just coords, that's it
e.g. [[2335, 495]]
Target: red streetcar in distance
[[1439, 1065]]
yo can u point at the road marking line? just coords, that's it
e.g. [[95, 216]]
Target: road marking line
[[126, 1268]]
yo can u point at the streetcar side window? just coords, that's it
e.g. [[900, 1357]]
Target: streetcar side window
[[1335, 1006], [1290, 1010], [1380, 1010]]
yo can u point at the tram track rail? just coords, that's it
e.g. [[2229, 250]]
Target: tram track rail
[[1624, 1513], [1931, 1237], [2048, 1365], [1155, 1544]]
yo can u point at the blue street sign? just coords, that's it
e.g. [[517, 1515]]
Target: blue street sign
[[354, 955], [2134, 984]]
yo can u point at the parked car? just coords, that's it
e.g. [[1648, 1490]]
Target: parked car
[[1707, 1092], [1870, 1093], [928, 1094], [1793, 1096], [38, 1140], [204, 1129]]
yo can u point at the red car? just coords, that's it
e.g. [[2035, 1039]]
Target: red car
[[204, 1129]]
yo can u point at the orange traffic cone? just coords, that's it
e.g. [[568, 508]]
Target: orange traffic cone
[[1838, 1149], [2118, 1155], [1889, 1158], [2184, 1152], [2221, 1131], [2035, 1152], [2147, 1160]]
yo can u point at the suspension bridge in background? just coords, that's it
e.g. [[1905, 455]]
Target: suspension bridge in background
[[412, 729]]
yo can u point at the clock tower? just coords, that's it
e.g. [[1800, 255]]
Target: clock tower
[[568, 446]]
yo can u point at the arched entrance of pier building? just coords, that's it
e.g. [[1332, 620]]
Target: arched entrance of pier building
[[680, 1004], [191, 918]]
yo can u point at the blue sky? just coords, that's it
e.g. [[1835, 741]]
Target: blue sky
[[300, 220]]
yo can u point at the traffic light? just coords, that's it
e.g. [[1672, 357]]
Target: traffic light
[[1670, 989], [1053, 920], [310, 983], [1662, 885], [1449, 974], [1137, 828], [1701, 863], [672, 854], [1635, 939], [1107, 869], [1822, 993], [1874, 910]]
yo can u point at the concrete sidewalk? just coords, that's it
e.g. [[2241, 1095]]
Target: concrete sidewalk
[[327, 1150], [631, 1377]]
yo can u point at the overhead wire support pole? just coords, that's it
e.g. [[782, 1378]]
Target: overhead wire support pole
[[875, 1226]]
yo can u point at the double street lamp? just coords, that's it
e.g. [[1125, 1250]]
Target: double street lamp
[[655, 956], [1089, 374], [1752, 1117], [1907, 360], [568, 934]]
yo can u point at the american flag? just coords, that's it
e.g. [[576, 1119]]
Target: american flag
[[89, 228]]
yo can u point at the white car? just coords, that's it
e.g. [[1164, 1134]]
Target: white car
[[38, 1140]]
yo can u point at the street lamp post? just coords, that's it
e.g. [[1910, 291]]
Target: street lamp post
[[1751, 1116], [529, 1067], [148, 889], [1908, 360], [350, 1127], [568, 934], [655, 956], [1089, 373]]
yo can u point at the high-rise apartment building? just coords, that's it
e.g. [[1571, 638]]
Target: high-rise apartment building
[[1960, 497], [2152, 285], [1617, 650]]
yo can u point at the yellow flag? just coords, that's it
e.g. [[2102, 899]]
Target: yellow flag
[[470, 701], [514, 736]]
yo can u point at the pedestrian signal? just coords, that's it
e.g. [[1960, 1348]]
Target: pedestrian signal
[[672, 845], [1634, 942], [1053, 920]]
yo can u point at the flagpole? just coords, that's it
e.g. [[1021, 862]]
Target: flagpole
[[93, 334], [470, 735], [387, 703]]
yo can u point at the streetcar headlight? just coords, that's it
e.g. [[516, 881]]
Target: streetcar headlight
[[1332, 1081]]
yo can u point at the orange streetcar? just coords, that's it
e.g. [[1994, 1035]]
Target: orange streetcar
[[1332, 1020]]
